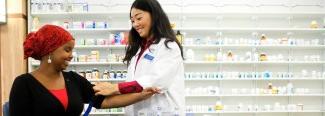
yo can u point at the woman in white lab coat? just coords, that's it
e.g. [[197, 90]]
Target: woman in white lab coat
[[155, 59]]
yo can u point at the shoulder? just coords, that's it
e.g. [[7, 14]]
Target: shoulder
[[71, 75], [170, 44], [74, 77], [23, 78], [22, 81], [170, 49]]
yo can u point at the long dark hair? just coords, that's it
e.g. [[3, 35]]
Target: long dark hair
[[160, 28]]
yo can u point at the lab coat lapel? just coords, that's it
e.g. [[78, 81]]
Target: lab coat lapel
[[131, 67], [143, 65]]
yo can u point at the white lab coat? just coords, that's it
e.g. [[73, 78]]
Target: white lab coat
[[165, 71]]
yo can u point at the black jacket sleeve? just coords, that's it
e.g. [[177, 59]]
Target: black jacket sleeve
[[87, 91], [20, 98]]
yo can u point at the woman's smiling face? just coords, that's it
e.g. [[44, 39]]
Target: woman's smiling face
[[141, 22]]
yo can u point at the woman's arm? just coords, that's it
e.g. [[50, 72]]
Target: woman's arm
[[127, 99], [107, 95], [19, 98]]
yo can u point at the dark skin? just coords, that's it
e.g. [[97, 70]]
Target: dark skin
[[50, 76]]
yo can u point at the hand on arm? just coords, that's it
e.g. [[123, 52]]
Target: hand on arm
[[106, 89], [129, 93], [148, 92], [128, 99]]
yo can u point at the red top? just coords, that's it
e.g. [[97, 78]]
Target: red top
[[61, 95]]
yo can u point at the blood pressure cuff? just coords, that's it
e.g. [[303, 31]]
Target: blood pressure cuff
[[130, 87]]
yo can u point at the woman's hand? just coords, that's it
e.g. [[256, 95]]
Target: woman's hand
[[106, 89], [148, 92]]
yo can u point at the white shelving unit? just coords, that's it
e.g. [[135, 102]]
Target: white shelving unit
[[255, 46], [254, 112], [106, 80], [207, 29], [318, 14], [202, 62], [100, 47], [256, 62], [105, 113], [89, 63], [258, 95], [221, 20], [255, 79]]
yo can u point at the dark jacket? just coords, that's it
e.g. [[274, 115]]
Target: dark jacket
[[28, 97]]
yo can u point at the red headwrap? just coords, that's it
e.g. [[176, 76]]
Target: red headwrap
[[45, 40]]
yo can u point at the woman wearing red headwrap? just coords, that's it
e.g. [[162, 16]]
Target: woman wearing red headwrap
[[49, 90]]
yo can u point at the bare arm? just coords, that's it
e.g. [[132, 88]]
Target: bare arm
[[122, 100]]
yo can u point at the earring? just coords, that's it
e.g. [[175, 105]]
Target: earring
[[49, 60]]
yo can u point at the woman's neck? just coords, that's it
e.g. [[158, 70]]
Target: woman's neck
[[149, 38], [48, 69]]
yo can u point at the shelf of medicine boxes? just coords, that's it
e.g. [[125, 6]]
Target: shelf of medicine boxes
[[297, 30], [258, 79], [254, 62], [106, 80], [208, 29], [203, 46], [35, 63], [255, 46], [104, 113], [88, 30], [259, 95], [230, 79], [254, 29], [181, 14], [240, 112], [99, 47]]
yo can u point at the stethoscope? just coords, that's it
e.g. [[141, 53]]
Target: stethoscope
[[88, 109]]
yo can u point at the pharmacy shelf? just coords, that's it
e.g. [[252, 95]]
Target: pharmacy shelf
[[255, 46], [80, 15], [249, 14], [259, 95], [294, 30], [100, 47], [96, 63], [195, 62], [208, 29], [213, 46], [252, 62], [256, 79], [88, 63], [239, 112], [105, 113], [98, 30], [301, 20], [182, 14], [106, 80]]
